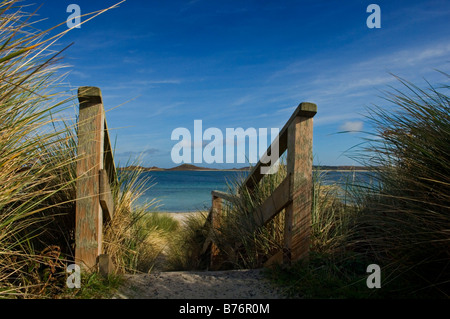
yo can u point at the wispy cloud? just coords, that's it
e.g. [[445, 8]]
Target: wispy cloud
[[163, 109], [413, 56], [353, 127], [320, 119], [140, 84]]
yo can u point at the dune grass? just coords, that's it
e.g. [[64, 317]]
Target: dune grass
[[405, 223], [37, 171], [400, 220], [243, 244], [36, 159], [185, 246], [137, 235]]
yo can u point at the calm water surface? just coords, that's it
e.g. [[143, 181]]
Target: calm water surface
[[183, 191]]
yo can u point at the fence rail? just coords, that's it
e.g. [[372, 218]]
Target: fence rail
[[96, 173], [293, 195]]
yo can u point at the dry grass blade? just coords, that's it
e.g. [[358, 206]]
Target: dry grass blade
[[37, 156]]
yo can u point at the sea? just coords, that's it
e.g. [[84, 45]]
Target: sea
[[190, 191]]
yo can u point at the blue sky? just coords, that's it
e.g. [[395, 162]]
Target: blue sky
[[248, 64]]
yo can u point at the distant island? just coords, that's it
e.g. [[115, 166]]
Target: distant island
[[190, 167], [182, 167]]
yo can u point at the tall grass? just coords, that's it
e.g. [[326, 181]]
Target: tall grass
[[35, 157], [405, 224], [136, 236], [37, 161], [244, 244], [185, 246], [401, 220], [250, 246], [332, 214]]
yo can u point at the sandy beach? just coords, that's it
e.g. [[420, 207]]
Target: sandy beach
[[182, 216]]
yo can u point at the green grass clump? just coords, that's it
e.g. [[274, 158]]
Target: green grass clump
[[243, 243], [332, 215], [93, 286], [185, 246], [161, 221], [324, 276], [405, 222]]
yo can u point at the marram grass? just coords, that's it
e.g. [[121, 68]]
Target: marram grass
[[37, 163]]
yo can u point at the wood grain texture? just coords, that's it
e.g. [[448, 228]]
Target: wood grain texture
[[106, 199], [108, 157], [299, 167], [274, 204], [88, 234]]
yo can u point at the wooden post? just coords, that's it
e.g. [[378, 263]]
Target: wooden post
[[106, 198], [89, 219], [215, 224], [105, 265], [297, 229]]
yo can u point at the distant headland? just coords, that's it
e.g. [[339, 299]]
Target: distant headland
[[190, 167], [182, 167]]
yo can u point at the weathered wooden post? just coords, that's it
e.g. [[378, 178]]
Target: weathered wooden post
[[297, 228], [89, 219]]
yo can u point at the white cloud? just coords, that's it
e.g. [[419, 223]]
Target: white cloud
[[321, 119], [349, 126], [413, 56]]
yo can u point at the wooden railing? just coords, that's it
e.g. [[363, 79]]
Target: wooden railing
[[293, 195], [96, 173]]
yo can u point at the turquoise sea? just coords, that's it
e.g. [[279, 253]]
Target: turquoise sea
[[184, 191]]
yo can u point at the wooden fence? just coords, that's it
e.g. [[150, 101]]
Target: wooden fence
[[96, 173], [293, 195]]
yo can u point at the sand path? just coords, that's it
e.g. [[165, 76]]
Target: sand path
[[231, 284]]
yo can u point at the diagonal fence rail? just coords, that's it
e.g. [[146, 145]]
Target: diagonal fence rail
[[293, 195]]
